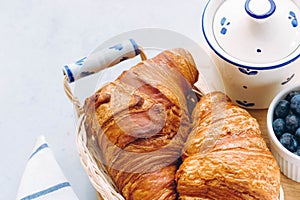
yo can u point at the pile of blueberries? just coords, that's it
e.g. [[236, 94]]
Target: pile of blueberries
[[286, 122]]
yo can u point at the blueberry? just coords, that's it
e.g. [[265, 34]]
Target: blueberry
[[291, 95], [297, 135], [279, 127], [289, 142], [282, 109], [295, 104], [291, 123]]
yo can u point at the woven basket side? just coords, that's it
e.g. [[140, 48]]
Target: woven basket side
[[96, 170]]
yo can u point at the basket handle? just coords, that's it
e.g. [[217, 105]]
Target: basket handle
[[102, 59], [96, 62]]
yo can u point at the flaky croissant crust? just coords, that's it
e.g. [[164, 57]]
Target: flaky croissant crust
[[225, 156], [141, 121]]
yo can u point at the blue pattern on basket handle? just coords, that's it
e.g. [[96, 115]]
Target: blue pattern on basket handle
[[101, 59]]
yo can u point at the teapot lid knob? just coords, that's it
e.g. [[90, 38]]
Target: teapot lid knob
[[260, 9]]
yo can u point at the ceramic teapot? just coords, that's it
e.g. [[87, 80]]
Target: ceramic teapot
[[255, 45]]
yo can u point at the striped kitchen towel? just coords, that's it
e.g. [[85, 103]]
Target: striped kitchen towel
[[42, 178]]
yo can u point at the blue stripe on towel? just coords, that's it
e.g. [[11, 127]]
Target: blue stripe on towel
[[43, 146], [47, 191]]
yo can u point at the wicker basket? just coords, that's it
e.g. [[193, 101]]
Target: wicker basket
[[94, 168], [96, 171]]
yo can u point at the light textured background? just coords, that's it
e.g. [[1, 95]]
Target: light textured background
[[37, 37]]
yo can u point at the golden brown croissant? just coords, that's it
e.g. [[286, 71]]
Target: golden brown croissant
[[225, 156], [141, 121]]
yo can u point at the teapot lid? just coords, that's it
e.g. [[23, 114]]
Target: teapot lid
[[256, 31]]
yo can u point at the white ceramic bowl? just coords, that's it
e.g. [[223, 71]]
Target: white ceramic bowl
[[288, 162]]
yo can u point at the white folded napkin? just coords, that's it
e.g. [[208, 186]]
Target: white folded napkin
[[43, 179]]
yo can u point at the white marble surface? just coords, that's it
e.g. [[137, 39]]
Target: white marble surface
[[37, 38]]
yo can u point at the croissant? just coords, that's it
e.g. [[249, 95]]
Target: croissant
[[141, 121], [225, 156]]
